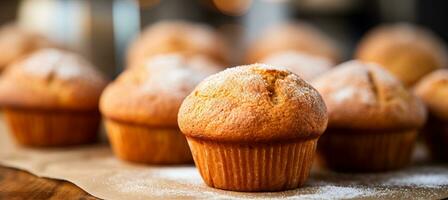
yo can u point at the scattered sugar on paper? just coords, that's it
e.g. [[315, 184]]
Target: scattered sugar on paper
[[420, 180], [339, 192]]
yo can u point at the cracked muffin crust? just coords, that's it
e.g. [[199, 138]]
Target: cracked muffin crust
[[253, 128], [52, 79], [253, 103], [51, 99], [373, 119], [362, 95]]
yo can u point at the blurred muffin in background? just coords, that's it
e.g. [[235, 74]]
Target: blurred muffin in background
[[297, 36], [306, 66], [407, 51], [51, 99], [178, 37], [140, 108], [433, 90], [17, 42], [373, 119]]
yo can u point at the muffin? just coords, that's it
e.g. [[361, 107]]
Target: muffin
[[140, 109], [18, 43], [177, 37], [407, 51], [253, 128], [306, 66], [298, 36], [51, 99], [433, 90], [373, 120]]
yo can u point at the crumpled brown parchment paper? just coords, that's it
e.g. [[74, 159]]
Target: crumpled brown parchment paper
[[94, 169]]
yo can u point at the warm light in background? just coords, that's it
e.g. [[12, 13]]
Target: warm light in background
[[145, 4], [233, 7]]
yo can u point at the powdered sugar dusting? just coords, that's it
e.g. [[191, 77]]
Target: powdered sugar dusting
[[348, 93], [420, 180], [249, 75], [352, 83], [339, 192], [64, 65]]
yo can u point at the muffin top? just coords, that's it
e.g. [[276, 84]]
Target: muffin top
[[17, 42], [297, 36], [51, 79], [253, 103], [177, 37], [433, 89], [306, 66], [151, 94], [407, 51], [361, 95]]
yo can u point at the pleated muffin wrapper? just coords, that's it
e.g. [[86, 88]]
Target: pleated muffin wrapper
[[367, 150], [52, 128], [149, 145], [253, 166]]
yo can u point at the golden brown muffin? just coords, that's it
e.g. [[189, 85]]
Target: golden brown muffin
[[16, 43], [306, 66], [177, 37], [433, 89], [298, 36], [407, 51], [253, 128], [51, 99], [141, 107], [373, 119]]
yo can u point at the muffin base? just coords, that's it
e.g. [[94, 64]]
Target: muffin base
[[44, 128], [144, 144], [253, 167], [436, 138], [366, 151]]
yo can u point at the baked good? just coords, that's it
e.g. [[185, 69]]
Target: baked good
[[140, 109], [306, 66], [177, 37], [407, 51], [17, 43], [373, 119], [51, 99], [433, 90], [253, 128], [292, 36]]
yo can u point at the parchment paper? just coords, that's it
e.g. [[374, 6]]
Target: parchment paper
[[94, 169]]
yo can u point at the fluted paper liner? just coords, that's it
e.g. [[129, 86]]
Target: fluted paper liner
[[52, 128], [144, 144], [253, 167], [368, 152]]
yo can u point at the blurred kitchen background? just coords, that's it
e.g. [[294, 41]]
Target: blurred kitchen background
[[102, 29]]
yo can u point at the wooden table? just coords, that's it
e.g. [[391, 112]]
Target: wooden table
[[16, 184]]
